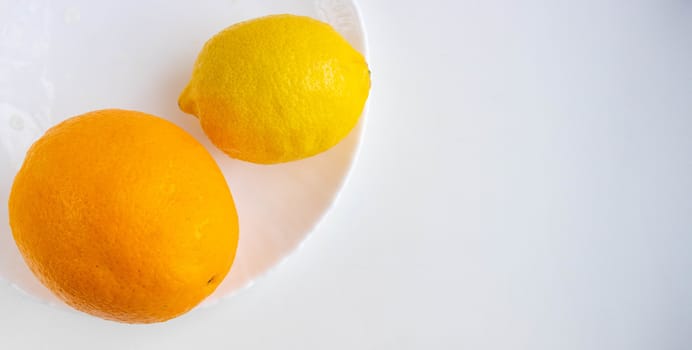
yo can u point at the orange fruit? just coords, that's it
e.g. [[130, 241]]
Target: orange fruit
[[124, 216], [277, 88]]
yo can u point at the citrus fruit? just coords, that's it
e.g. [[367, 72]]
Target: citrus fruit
[[124, 216], [277, 88]]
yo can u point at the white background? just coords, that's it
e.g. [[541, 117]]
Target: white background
[[525, 182]]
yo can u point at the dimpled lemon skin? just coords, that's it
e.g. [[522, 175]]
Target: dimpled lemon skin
[[124, 216], [277, 89]]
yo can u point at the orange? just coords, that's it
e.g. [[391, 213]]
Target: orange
[[277, 88], [124, 216]]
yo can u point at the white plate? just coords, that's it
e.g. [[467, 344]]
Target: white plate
[[63, 58]]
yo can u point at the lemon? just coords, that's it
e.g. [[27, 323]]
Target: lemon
[[277, 89]]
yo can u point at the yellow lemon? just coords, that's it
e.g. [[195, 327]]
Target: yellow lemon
[[277, 88]]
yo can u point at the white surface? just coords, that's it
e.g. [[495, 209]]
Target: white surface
[[58, 60], [524, 183]]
